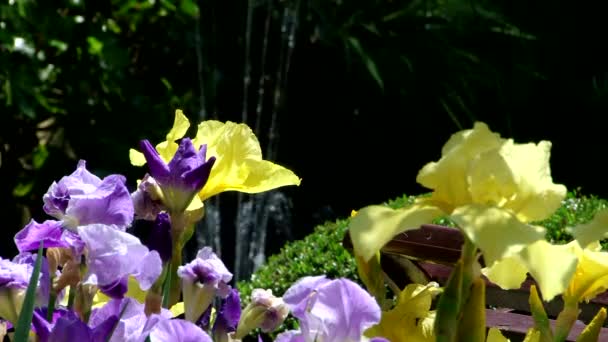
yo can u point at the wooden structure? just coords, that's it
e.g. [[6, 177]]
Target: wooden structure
[[428, 253]]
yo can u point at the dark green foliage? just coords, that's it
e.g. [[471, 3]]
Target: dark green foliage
[[576, 209], [322, 253]]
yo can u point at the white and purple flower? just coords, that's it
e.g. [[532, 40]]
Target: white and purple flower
[[202, 279]]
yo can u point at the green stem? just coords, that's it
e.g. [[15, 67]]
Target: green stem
[[456, 293], [565, 321], [174, 283], [51, 306]]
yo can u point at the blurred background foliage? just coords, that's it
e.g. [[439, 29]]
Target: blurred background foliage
[[354, 96]]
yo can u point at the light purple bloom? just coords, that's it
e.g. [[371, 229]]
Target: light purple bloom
[[177, 330], [133, 324], [202, 279], [114, 254], [49, 232], [14, 277], [183, 177], [82, 198], [265, 311], [330, 310]]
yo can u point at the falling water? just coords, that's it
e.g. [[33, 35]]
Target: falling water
[[208, 229], [262, 217]]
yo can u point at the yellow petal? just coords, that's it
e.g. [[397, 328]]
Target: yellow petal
[[180, 126], [494, 335], [239, 165], [166, 149], [133, 291], [541, 257], [497, 232], [591, 275], [177, 309], [137, 158], [597, 229], [507, 273], [533, 335], [447, 177], [375, 225], [536, 196], [478, 166], [538, 259], [410, 319]]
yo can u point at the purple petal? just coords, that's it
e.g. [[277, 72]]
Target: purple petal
[[102, 331], [16, 274], [205, 318], [158, 169], [109, 204], [146, 199], [343, 310], [50, 232], [290, 336], [207, 268], [160, 237], [114, 254], [229, 314], [298, 295], [117, 289], [79, 182], [178, 330], [70, 328], [74, 241], [132, 318]]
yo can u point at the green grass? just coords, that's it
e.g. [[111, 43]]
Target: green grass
[[322, 253]]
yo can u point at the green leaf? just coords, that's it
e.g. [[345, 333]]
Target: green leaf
[[189, 7], [24, 324], [472, 325], [369, 63], [541, 321], [592, 330], [39, 157], [22, 189], [95, 45]]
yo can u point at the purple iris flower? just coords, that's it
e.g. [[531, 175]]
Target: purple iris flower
[[160, 237], [51, 233], [228, 316], [183, 177], [147, 199], [177, 330], [114, 254], [14, 277], [202, 279], [330, 310], [133, 324], [83, 198], [66, 326]]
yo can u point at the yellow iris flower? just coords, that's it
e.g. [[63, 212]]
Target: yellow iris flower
[[492, 188], [239, 165], [412, 318]]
